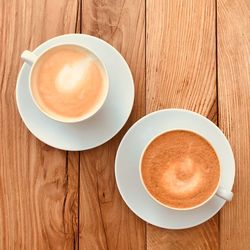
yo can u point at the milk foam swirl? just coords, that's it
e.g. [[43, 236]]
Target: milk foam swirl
[[180, 169], [181, 177]]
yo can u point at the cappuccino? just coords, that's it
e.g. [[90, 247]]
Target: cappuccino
[[180, 169], [68, 82]]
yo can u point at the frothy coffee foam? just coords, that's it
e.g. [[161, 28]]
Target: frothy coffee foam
[[70, 77], [68, 82], [180, 169]]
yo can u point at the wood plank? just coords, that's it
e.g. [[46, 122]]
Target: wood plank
[[181, 72], [105, 220], [38, 187], [234, 115]]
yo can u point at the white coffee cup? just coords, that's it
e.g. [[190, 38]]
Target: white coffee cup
[[31, 58], [219, 190]]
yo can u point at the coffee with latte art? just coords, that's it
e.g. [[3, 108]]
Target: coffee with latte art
[[180, 169], [68, 82]]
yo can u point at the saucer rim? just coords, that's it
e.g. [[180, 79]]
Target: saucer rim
[[116, 168], [85, 36]]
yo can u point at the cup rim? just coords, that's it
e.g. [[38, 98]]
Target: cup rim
[[161, 203], [86, 116]]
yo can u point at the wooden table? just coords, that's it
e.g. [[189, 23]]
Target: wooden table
[[192, 54]]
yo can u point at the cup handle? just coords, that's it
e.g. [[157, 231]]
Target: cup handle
[[224, 194], [29, 57]]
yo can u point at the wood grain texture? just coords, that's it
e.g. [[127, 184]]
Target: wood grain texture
[[181, 72], [40, 203], [234, 115], [38, 187], [105, 220]]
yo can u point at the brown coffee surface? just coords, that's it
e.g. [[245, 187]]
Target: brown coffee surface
[[180, 169], [68, 82]]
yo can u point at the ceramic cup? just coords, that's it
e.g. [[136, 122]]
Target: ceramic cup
[[32, 59], [219, 190]]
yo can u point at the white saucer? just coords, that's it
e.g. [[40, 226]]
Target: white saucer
[[103, 125], [127, 167]]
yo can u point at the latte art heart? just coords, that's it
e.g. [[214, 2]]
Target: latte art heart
[[68, 82], [72, 76], [180, 169]]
